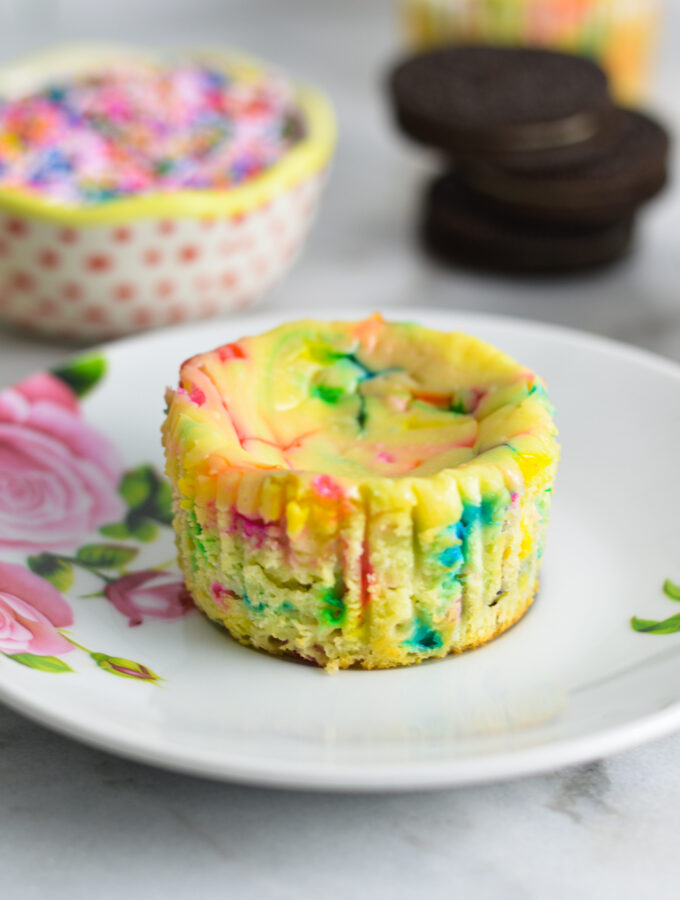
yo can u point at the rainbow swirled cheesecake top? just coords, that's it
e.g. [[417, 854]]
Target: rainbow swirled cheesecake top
[[136, 126], [347, 403]]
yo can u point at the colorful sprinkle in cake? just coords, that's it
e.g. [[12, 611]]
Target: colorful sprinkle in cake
[[366, 494], [140, 126]]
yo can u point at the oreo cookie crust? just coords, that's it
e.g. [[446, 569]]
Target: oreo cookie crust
[[503, 104], [459, 228], [610, 187]]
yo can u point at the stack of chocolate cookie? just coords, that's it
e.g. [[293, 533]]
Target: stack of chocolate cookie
[[546, 174]]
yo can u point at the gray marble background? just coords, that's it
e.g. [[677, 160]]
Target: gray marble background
[[77, 823]]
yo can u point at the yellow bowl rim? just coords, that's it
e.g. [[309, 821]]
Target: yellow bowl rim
[[306, 159]]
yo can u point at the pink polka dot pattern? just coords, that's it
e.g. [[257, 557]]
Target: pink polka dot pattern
[[72, 290], [17, 228], [165, 287], [49, 259], [124, 292], [102, 281], [189, 253], [152, 256], [24, 282], [98, 262]]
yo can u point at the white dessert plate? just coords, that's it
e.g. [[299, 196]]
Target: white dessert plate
[[98, 642]]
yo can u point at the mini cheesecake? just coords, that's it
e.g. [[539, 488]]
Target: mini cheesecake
[[366, 494]]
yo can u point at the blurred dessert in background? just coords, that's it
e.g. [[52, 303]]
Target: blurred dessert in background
[[543, 173], [460, 227], [619, 34], [610, 186], [519, 108]]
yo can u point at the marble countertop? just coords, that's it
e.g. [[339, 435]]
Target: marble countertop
[[76, 822]]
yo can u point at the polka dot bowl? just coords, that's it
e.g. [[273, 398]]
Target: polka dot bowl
[[92, 272]]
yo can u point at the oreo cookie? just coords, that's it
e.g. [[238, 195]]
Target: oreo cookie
[[459, 228], [520, 108], [603, 190]]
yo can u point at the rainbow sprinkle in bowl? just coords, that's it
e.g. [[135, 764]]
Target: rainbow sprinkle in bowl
[[146, 254]]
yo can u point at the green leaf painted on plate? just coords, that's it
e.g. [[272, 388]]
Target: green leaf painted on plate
[[41, 663], [83, 373], [148, 497], [143, 530], [649, 626], [54, 569], [671, 590], [124, 668], [117, 530], [160, 507], [106, 556], [138, 485], [133, 528]]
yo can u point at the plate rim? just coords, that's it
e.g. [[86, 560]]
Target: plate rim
[[340, 777], [362, 777], [570, 334]]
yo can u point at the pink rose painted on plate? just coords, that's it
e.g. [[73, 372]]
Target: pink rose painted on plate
[[152, 594], [58, 475], [31, 610], [66, 504]]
